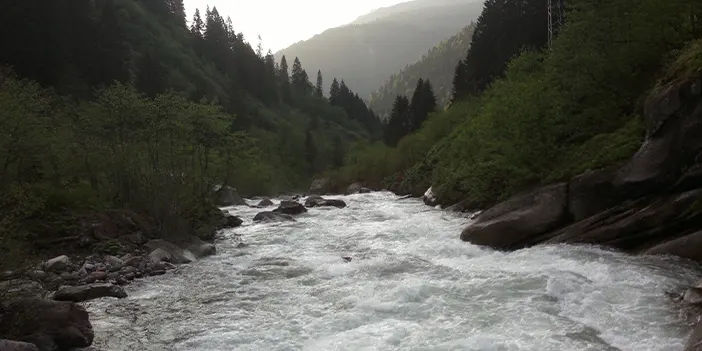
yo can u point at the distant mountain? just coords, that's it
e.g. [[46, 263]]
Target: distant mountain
[[365, 52], [437, 65]]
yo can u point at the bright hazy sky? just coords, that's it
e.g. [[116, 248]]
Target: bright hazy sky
[[281, 23]]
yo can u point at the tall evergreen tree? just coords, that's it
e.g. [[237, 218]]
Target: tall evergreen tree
[[399, 123], [319, 86], [300, 79], [197, 27], [284, 80], [334, 92], [422, 104]]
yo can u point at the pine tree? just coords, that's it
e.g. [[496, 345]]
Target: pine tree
[[334, 92], [150, 75], [399, 122], [299, 77], [318, 88], [422, 104], [259, 47], [284, 80], [197, 27]]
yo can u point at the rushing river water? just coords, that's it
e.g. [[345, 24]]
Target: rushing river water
[[412, 285]]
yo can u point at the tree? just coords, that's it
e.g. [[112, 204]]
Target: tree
[[310, 151], [284, 80], [399, 122], [422, 104], [318, 88], [197, 27], [259, 47], [334, 92], [300, 79]]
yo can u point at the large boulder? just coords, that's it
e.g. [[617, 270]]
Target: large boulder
[[176, 253], [694, 342], [520, 219], [273, 217], [21, 288], [592, 192], [231, 221], [321, 186], [290, 208], [58, 264], [50, 325], [688, 246], [673, 117], [354, 188], [430, 198], [89, 292], [265, 202], [198, 247], [318, 201], [637, 226], [9, 345], [227, 196]]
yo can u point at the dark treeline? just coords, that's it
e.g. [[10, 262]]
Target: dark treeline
[[119, 104], [408, 115]]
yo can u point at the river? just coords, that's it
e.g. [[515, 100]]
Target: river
[[412, 285]]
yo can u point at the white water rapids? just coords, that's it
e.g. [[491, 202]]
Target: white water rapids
[[412, 285]]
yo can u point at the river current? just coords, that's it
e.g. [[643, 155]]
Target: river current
[[411, 285]]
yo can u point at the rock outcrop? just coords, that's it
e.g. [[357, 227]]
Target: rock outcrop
[[290, 208], [176, 254], [273, 217], [50, 325], [227, 196], [9, 345], [318, 201], [512, 223], [89, 292]]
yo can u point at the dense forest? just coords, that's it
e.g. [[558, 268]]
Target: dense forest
[[121, 105], [523, 115], [368, 50], [438, 65]]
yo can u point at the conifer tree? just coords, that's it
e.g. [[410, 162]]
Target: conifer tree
[[197, 27], [318, 88], [399, 122], [284, 80], [334, 92]]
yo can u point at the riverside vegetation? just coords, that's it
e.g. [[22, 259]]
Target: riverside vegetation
[[523, 115], [117, 106]]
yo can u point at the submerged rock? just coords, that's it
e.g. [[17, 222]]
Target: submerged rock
[[290, 208], [273, 217], [50, 325], [88, 292], [429, 198]]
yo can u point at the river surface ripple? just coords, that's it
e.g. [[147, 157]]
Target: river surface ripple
[[412, 285]]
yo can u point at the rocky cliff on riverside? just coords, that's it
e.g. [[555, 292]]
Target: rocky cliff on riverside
[[650, 205]]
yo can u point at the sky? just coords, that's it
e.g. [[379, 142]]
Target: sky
[[282, 23]]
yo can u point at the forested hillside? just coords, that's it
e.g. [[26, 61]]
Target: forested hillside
[[379, 44], [118, 104], [438, 66], [524, 115]]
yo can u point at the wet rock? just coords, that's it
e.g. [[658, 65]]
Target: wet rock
[[199, 248], [318, 201], [95, 277], [114, 263], [321, 186], [227, 196], [687, 246], [9, 345], [231, 221], [158, 272], [112, 276], [89, 292], [38, 275], [273, 217], [70, 277], [290, 208], [694, 342], [265, 202], [128, 269], [159, 255], [133, 261], [592, 192], [129, 276], [510, 224], [57, 264], [48, 324], [346, 258], [354, 188], [429, 198], [177, 254], [693, 295], [466, 205]]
